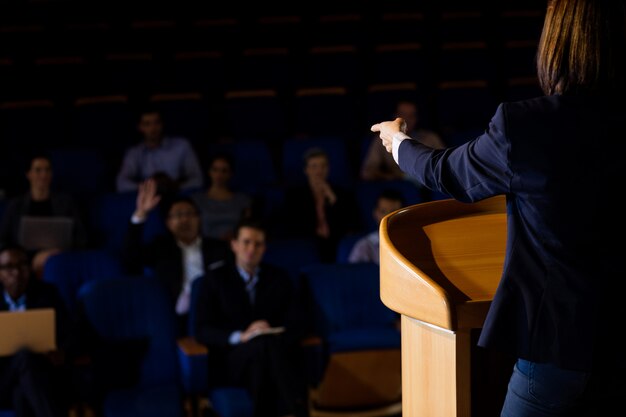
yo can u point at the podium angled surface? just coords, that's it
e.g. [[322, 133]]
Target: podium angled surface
[[440, 265]]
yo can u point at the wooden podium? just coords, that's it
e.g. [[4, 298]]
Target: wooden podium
[[440, 264]]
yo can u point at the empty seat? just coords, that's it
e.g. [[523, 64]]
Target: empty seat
[[196, 70], [367, 193], [330, 65], [359, 356], [466, 61], [70, 270], [109, 217], [399, 27], [129, 72], [263, 68], [400, 63], [464, 106], [254, 168], [255, 114], [134, 354], [292, 254], [33, 125], [456, 24], [188, 115], [59, 76], [520, 24], [326, 111], [345, 246], [102, 122], [81, 172]]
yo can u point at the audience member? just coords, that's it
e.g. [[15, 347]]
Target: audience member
[[367, 249], [221, 208], [33, 384], [41, 201], [177, 258], [319, 209], [379, 164], [238, 306], [170, 160]]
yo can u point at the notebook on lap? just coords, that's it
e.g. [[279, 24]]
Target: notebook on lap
[[32, 329]]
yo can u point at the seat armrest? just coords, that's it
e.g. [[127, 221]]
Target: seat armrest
[[191, 347]]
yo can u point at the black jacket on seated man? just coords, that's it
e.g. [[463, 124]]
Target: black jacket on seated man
[[165, 257], [233, 306], [176, 258]]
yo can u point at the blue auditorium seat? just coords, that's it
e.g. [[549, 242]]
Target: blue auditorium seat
[[70, 270], [367, 193], [110, 215], [346, 308], [292, 254], [253, 164], [360, 342], [127, 312], [344, 248]]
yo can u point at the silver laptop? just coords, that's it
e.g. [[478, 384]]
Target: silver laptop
[[31, 329], [37, 233]]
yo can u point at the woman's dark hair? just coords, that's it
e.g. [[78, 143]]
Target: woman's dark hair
[[583, 47]]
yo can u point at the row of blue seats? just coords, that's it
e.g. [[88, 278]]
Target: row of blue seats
[[94, 281]]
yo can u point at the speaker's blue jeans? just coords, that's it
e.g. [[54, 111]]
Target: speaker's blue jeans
[[543, 390]]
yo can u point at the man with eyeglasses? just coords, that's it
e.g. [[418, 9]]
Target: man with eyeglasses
[[32, 383], [177, 258]]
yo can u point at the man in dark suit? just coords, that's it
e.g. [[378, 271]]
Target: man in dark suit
[[177, 258], [31, 383], [236, 308]]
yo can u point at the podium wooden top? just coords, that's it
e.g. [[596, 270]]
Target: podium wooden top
[[441, 261]]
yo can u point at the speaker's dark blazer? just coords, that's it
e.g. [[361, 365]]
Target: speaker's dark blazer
[[165, 257], [560, 161]]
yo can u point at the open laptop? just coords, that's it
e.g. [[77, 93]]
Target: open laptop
[[32, 329], [37, 233]]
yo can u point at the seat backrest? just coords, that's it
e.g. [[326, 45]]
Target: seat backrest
[[345, 246], [81, 172], [70, 270], [292, 254], [110, 215], [126, 309], [253, 164], [367, 193], [346, 296]]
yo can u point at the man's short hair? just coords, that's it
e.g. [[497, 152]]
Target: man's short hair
[[252, 223], [147, 108], [168, 203]]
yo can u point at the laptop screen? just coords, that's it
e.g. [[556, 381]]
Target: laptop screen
[[37, 233]]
